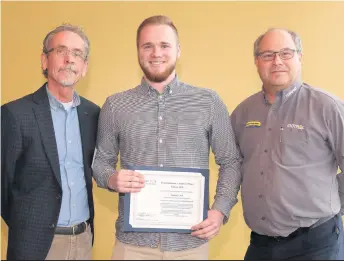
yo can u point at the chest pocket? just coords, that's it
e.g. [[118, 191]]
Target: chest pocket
[[294, 134], [191, 132], [187, 142], [293, 144]]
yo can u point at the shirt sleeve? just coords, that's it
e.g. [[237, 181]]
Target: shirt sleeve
[[227, 157], [106, 153], [336, 125]]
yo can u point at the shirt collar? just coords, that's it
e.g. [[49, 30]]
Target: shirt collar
[[171, 88], [286, 93], [54, 103]]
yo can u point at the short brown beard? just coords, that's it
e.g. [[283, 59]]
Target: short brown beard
[[158, 78]]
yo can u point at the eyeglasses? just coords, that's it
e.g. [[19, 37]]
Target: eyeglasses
[[63, 51], [284, 54]]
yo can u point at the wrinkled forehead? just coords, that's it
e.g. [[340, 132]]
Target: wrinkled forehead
[[276, 40], [68, 39]]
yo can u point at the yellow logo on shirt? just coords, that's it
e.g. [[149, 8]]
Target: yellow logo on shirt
[[253, 124], [296, 126]]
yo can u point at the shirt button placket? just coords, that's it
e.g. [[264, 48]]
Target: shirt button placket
[[160, 133]]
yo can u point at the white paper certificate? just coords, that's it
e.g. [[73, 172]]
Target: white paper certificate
[[169, 200]]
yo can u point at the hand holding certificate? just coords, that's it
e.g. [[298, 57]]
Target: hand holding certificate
[[126, 181], [173, 200]]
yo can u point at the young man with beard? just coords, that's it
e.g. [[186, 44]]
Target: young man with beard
[[47, 145], [291, 137], [164, 122]]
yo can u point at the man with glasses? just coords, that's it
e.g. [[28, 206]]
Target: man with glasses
[[291, 138], [47, 144]]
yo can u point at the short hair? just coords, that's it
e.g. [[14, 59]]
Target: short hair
[[296, 39], [62, 28], [156, 20]]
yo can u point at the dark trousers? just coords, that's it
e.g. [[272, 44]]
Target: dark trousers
[[324, 242]]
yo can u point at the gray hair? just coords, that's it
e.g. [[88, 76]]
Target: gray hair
[[62, 28], [296, 38]]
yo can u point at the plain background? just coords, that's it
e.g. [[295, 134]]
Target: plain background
[[217, 52]]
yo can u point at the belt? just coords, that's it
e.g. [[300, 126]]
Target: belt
[[74, 230], [296, 233]]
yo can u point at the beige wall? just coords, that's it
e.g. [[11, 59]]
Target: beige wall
[[216, 40]]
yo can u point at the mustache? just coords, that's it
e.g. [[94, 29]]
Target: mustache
[[279, 69], [68, 68]]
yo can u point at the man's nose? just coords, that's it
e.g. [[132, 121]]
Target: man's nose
[[68, 58], [156, 51], [277, 59]]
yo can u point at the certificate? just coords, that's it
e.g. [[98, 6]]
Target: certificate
[[173, 200]]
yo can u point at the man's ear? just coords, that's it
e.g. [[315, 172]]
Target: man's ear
[[300, 56], [44, 61], [256, 61], [179, 51], [84, 69]]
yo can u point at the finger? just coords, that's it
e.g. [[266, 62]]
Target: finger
[[134, 184], [139, 175], [127, 184], [203, 231], [137, 184], [137, 180], [130, 190], [124, 174], [198, 226], [130, 175], [133, 173], [206, 233], [201, 225], [124, 184], [213, 235]]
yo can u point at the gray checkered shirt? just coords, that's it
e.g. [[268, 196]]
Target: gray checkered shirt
[[172, 129]]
